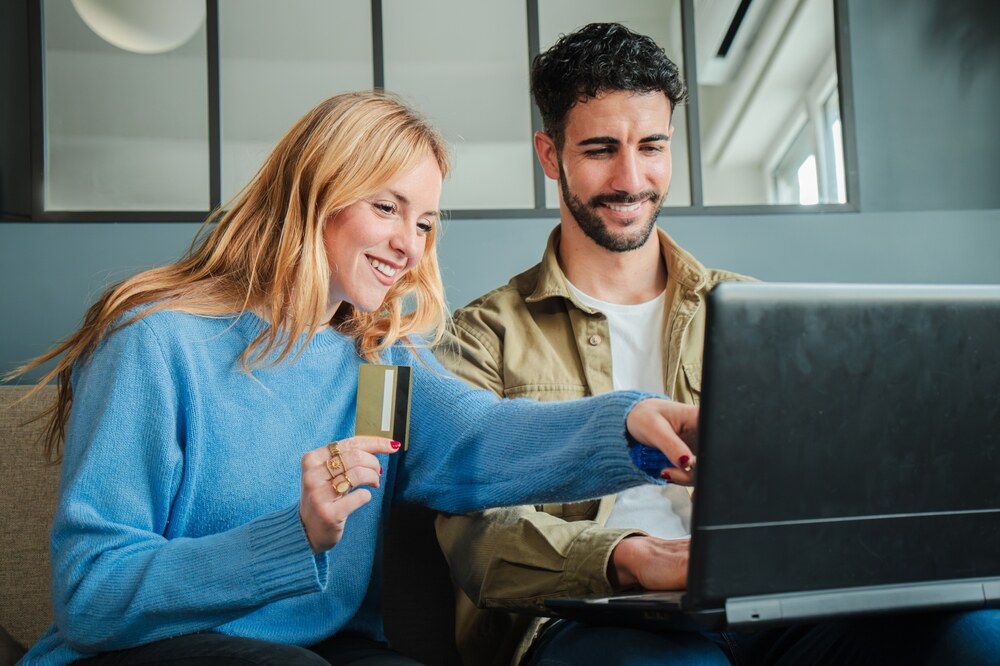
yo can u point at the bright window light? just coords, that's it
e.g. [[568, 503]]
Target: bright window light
[[808, 182], [838, 157]]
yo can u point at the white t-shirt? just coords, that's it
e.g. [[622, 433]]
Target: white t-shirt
[[637, 363]]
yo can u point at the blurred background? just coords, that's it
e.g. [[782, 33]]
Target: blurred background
[[825, 140]]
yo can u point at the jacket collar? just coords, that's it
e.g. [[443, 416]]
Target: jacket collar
[[684, 269]]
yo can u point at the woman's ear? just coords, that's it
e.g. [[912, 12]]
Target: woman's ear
[[548, 156]]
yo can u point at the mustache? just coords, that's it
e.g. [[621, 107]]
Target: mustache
[[622, 198]]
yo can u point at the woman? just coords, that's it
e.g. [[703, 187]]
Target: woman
[[206, 504]]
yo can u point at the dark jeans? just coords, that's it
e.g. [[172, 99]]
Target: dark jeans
[[209, 649], [969, 638]]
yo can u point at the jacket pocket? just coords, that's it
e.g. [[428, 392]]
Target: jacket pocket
[[692, 377]]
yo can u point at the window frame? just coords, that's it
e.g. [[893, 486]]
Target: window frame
[[810, 133], [697, 206]]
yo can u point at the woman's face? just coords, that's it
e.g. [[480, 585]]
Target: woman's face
[[372, 243]]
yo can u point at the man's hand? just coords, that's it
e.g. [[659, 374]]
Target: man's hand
[[649, 563], [672, 427]]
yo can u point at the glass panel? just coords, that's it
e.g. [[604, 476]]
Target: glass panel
[[468, 74], [658, 19], [763, 66], [835, 138], [278, 60], [792, 184], [126, 129]]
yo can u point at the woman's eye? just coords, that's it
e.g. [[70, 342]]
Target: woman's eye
[[387, 208], [425, 226]]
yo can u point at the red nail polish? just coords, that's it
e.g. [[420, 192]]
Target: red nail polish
[[395, 444], [683, 461], [665, 475], [380, 470]]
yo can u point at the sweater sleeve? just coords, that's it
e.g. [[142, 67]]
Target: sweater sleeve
[[471, 450], [118, 580]]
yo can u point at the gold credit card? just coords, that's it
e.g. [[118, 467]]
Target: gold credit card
[[384, 402]]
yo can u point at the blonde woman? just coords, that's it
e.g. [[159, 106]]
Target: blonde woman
[[214, 503]]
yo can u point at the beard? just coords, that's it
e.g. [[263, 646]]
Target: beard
[[585, 214]]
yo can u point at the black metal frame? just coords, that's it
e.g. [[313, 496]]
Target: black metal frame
[[697, 207]]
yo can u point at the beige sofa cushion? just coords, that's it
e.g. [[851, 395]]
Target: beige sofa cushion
[[30, 486]]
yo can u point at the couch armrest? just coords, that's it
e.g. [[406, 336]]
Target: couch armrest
[[30, 490]]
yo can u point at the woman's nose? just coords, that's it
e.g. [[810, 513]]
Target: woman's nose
[[408, 241]]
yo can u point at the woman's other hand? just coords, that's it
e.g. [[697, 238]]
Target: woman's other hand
[[671, 427], [332, 480]]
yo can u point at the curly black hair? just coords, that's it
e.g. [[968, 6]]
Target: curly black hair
[[597, 58]]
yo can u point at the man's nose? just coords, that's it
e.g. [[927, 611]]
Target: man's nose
[[626, 177]]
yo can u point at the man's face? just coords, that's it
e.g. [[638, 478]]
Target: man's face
[[614, 169]]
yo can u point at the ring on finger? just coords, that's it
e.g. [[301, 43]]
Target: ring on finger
[[335, 463], [343, 486]]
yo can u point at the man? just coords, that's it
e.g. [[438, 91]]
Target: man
[[615, 303]]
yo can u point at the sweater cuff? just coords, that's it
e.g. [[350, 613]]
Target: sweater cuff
[[282, 562], [619, 469]]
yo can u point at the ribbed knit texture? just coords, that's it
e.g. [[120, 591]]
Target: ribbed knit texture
[[180, 484]]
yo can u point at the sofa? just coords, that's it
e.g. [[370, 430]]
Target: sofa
[[29, 499], [418, 601]]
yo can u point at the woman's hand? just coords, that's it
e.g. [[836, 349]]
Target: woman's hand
[[671, 427], [329, 474]]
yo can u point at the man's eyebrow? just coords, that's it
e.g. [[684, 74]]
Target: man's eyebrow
[[612, 141], [600, 140], [401, 198]]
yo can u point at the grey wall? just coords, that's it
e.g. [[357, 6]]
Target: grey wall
[[926, 94]]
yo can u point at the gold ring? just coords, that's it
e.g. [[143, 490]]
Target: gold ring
[[335, 462], [343, 486]]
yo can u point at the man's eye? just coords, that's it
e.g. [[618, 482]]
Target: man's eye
[[387, 208], [598, 152]]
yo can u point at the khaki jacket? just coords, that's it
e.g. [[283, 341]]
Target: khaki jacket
[[532, 338]]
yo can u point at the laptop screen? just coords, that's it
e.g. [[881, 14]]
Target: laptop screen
[[850, 436]]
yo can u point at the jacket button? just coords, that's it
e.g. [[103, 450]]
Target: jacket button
[[594, 340]]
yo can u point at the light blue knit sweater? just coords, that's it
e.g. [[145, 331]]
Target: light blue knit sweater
[[180, 484]]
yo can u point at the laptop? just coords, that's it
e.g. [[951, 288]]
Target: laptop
[[848, 458]]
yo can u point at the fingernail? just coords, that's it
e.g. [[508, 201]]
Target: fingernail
[[380, 470], [683, 461], [395, 444], [665, 475]]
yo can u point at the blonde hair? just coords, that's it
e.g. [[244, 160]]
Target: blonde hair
[[266, 252]]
